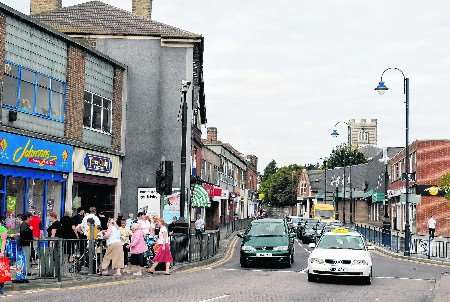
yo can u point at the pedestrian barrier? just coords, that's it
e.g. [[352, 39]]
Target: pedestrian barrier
[[63, 259], [420, 245]]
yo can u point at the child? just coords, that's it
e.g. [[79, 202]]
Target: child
[[137, 249]]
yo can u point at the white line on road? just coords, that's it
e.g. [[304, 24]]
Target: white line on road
[[301, 245], [215, 298]]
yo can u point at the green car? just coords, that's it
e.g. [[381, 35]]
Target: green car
[[267, 240]]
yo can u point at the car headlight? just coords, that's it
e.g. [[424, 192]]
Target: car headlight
[[281, 248], [316, 260], [248, 248], [360, 262]]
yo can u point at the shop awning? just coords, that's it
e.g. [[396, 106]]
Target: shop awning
[[200, 198]]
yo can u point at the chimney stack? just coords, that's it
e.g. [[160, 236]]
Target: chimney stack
[[211, 134], [44, 6], [142, 8]]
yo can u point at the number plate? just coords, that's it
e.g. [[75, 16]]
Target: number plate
[[336, 269], [263, 255]]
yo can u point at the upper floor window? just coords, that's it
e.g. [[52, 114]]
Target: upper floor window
[[31, 92], [97, 113]]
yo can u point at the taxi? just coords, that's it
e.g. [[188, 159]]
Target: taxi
[[342, 253]]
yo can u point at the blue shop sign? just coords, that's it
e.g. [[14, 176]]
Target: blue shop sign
[[97, 163], [31, 152]]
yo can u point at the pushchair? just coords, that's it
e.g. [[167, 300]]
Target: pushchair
[[150, 253]]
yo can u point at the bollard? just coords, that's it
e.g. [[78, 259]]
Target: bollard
[[59, 262], [429, 247]]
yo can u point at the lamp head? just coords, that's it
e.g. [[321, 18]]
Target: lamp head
[[334, 133], [381, 88]]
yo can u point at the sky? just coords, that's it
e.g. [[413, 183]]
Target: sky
[[280, 74]]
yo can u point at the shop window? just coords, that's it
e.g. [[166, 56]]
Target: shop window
[[54, 198], [97, 113], [35, 196], [14, 203], [28, 91]]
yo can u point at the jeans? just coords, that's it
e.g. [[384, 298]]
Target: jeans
[[27, 253]]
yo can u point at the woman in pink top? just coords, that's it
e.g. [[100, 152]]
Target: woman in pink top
[[137, 249]]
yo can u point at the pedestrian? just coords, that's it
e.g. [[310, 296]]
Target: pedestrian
[[77, 220], [125, 234], [119, 219], [103, 220], [143, 222], [130, 221], [36, 224], [54, 230], [152, 229], [92, 214], [67, 232], [26, 241], [431, 226], [3, 237], [114, 250], [163, 255], [199, 227], [138, 247]]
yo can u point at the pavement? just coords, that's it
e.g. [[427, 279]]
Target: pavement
[[224, 280]]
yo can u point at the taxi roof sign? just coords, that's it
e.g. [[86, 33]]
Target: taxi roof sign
[[341, 231]]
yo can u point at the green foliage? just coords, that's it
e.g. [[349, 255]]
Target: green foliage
[[269, 170], [280, 187], [445, 184], [345, 156]]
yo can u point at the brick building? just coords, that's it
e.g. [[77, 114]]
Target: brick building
[[61, 120], [429, 160]]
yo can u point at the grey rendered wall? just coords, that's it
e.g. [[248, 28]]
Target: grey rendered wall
[[152, 131]]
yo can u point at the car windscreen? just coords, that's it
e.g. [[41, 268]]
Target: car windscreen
[[267, 229], [325, 213], [341, 242]]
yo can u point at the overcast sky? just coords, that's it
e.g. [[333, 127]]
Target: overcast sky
[[279, 74]]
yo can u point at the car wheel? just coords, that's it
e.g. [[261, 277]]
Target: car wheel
[[367, 280], [292, 257], [244, 263], [312, 278]]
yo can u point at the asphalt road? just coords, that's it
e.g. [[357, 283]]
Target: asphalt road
[[395, 280]]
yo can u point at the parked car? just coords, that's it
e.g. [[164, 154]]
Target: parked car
[[267, 241]]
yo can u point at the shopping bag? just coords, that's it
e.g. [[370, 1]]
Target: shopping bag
[[5, 270]]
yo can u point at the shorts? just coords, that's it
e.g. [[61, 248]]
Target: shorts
[[137, 259]]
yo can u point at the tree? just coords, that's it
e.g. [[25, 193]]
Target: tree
[[269, 170], [280, 188], [345, 156], [444, 183]]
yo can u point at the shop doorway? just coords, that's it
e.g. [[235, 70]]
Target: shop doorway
[[94, 195]]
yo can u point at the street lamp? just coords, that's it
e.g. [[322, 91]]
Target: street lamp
[[381, 89], [325, 181], [184, 89]]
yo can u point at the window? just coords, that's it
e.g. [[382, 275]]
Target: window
[[97, 112], [31, 92]]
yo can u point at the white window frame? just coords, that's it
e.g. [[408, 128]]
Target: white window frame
[[102, 108]]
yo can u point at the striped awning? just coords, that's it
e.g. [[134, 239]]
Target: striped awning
[[200, 198]]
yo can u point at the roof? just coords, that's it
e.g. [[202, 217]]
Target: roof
[[98, 18], [31, 21]]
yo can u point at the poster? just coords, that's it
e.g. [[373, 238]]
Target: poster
[[172, 206], [149, 201]]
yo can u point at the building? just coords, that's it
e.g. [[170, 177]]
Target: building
[[61, 119], [159, 57], [362, 132], [231, 176], [309, 185], [251, 187], [429, 161]]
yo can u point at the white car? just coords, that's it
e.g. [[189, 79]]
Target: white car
[[340, 253]]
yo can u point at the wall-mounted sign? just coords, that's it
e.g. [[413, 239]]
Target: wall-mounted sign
[[149, 201], [97, 163], [426, 190], [31, 152]]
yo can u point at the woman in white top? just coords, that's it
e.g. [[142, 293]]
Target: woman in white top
[[114, 251], [163, 254], [143, 223]]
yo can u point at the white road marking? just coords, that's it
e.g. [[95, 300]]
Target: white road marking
[[230, 269], [215, 298], [301, 245]]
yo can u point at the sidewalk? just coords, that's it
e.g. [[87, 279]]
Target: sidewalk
[[81, 280]]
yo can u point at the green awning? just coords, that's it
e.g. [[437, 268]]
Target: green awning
[[377, 197], [200, 198]]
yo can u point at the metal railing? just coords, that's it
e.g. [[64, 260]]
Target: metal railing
[[61, 259], [420, 245]]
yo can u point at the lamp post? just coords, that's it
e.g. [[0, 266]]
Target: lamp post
[[381, 89], [351, 192], [184, 89], [325, 179]]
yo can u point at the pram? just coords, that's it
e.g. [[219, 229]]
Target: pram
[[150, 253]]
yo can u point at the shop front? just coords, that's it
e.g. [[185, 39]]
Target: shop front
[[212, 217], [96, 181], [33, 177]]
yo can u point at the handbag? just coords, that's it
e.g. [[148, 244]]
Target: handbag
[[5, 270]]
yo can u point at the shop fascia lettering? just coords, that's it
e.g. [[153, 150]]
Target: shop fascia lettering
[[41, 157]]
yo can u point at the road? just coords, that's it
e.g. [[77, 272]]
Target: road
[[395, 280]]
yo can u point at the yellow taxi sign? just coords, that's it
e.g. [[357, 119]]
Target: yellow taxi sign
[[341, 231]]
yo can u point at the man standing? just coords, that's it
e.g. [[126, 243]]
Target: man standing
[[26, 240], [92, 214], [76, 221], [431, 226], [199, 227]]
